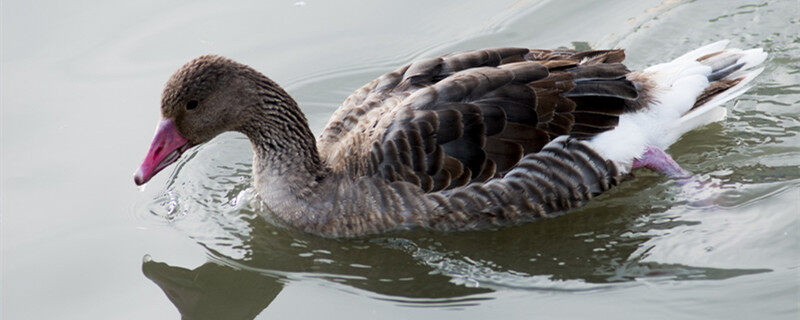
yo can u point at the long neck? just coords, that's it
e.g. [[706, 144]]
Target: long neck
[[287, 163]]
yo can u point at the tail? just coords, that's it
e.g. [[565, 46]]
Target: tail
[[681, 95]]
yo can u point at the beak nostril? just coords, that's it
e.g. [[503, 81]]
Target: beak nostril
[[158, 151]]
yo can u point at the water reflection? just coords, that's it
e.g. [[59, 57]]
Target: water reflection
[[230, 288], [591, 249], [214, 291]]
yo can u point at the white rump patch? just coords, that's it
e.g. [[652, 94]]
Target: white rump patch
[[678, 83]]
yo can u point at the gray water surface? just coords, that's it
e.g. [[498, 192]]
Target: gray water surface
[[81, 85]]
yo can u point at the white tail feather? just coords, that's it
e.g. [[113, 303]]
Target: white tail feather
[[704, 50], [723, 97], [677, 85]]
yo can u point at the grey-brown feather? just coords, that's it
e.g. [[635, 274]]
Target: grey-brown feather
[[721, 67], [563, 175], [470, 140], [453, 106]]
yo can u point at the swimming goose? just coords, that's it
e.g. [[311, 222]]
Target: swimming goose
[[465, 141]]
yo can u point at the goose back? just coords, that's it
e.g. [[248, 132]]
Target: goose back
[[443, 122]]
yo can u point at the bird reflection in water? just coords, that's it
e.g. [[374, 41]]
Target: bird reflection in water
[[454, 270], [214, 291]]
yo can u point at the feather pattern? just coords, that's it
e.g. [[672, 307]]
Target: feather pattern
[[563, 175], [464, 141], [482, 109]]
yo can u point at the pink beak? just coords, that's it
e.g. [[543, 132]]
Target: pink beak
[[167, 147]]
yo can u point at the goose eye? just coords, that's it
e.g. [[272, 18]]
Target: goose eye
[[191, 104]]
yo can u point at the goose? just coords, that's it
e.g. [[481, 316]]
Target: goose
[[470, 140]]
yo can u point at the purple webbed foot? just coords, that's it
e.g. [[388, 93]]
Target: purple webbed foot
[[701, 193], [659, 161]]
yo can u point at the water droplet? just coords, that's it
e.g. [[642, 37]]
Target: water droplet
[[147, 258], [300, 4]]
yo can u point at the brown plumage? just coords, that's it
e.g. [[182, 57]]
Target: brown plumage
[[468, 117], [464, 141]]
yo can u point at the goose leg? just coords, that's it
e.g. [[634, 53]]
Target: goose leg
[[698, 192], [659, 161]]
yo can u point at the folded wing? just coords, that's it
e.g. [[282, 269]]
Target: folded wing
[[444, 122]]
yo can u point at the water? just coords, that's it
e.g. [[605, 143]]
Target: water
[[80, 94]]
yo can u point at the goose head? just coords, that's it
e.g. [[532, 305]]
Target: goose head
[[206, 97]]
